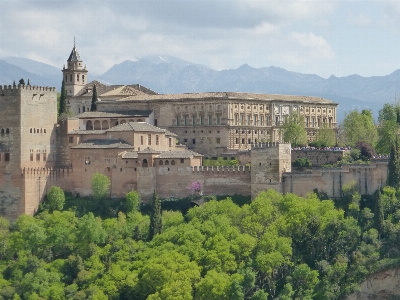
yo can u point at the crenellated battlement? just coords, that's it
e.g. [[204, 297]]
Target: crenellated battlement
[[12, 88], [219, 169], [266, 145]]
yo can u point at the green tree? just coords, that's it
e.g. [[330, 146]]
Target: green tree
[[63, 100], [326, 136], [93, 106], [132, 201], [55, 198], [302, 163], [155, 216], [388, 127], [294, 131], [360, 127], [393, 178], [100, 185]]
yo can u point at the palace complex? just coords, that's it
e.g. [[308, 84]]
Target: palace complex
[[144, 141]]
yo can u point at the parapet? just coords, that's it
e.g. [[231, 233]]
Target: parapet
[[267, 145], [10, 88], [217, 169], [44, 171]]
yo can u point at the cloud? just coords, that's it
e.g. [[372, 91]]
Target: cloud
[[311, 46]]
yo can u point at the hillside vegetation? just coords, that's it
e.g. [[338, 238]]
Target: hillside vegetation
[[277, 247]]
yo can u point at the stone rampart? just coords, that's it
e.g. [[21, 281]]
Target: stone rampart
[[331, 181]]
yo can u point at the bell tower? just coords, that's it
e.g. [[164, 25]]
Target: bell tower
[[75, 75]]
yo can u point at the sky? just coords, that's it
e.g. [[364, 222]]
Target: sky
[[323, 37]]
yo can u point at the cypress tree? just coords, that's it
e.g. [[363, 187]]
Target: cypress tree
[[28, 82], [379, 213], [94, 99], [393, 179], [63, 99], [155, 217]]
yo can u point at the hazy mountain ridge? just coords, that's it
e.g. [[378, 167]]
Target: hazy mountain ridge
[[167, 74]]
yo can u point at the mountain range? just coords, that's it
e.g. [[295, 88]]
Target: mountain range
[[167, 74]]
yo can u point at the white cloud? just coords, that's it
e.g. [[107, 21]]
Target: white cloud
[[311, 46]]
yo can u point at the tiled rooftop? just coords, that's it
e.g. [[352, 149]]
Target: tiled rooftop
[[114, 114], [178, 154], [98, 143], [136, 126], [104, 90], [217, 96]]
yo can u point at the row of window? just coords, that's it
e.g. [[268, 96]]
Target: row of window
[[166, 162], [145, 162], [5, 130], [38, 155], [77, 78], [4, 156], [194, 121], [96, 125], [257, 120], [252, 131], [37, 130], [217, 141]]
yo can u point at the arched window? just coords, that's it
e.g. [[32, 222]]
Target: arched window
[[167, 162], [97, 125], [70, 77], [83, 109], [131, 120], [30, 130], [2, 131], [160, 162], [104, 125], [89, 125], [172, 162], [123, 121], [41, 130], [140, 120], [44, 130], [77, 77], [83, 78], [34, 130], [145, 164], [79, 110]]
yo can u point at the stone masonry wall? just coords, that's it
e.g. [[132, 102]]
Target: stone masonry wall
[[368, 179], [319, 157]]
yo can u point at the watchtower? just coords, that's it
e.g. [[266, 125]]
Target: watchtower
[[27, 140], [268, 162]]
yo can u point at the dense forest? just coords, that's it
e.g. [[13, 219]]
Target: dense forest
[[275, 247]]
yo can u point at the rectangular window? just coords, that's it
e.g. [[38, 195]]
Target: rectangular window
[[155, 122], [218, 140], [236, 119], [44, 156], [193, 120], [266, 120], [185, 141], [149, 139], [202, 120], [194, 141], [71, 139], [248, 119], [141, 140], [277, 121], [170, 142], [249, 141], [178, 121], [261, 120], [237, 140], [186, 121], [313, 122], [218, 119], [182, 160], [209, 120], [157, 140], [243, 141], [31, 157], [241, 119], [255, 119], [87, 160], [6, 156], [307, 121], [38, 156]]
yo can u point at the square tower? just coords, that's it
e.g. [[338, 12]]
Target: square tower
[[27, 140], [268, 162]]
